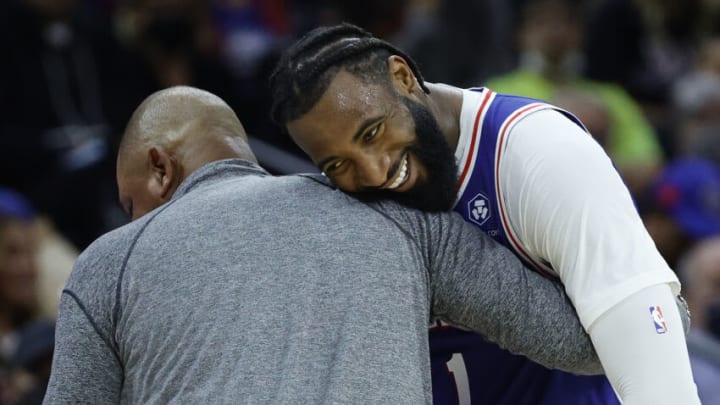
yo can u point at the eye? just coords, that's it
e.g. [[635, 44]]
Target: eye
[[371, 134], [334, 166]]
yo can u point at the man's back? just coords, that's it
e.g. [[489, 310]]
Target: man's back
[[251, 272], [260, 289], [300, 261]]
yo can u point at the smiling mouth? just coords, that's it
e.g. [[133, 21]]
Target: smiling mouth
[[401, 176]]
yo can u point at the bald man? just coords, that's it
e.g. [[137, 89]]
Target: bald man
[[171, 135], [235, 286]]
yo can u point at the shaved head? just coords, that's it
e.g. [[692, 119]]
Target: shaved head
[[179, 117], [171, 134]]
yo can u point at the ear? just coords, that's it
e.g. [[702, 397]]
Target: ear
[[164, 174], [401, 75]]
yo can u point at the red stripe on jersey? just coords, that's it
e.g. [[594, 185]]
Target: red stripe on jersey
[[469, 155], [506, 125]]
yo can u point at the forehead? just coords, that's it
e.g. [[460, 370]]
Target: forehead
[[346, 103]]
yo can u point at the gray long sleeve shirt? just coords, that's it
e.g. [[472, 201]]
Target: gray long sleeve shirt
[[256, 289]]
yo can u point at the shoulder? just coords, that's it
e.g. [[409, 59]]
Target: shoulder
[[548, 118], [318, 178], [93, 283], [422, 227], [98, 267], [311, 182]]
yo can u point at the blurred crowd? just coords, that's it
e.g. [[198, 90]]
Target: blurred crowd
[[643, 75]]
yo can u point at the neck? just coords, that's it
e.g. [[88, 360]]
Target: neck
[[210, 150], [445, 103]]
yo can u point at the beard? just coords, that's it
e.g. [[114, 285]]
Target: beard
[[437, 191]]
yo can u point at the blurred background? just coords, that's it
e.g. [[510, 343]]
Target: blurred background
[[644, 75]]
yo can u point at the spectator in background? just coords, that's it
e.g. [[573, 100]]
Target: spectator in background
[[66, 90], [249, 31], [696, 99], [178, 44], [703, 142], [251, 34], [550, 37], [457, 43], [18, 275], [444, 37], [699, 273], [683, 206], [55, 259], [18, 265], [34, 264], [646, 46]]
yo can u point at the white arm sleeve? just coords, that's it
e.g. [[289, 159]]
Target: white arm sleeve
[[641, 344], [568, 208]]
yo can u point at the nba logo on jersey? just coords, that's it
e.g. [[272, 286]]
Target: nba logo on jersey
[[658, 319], [479, 209]]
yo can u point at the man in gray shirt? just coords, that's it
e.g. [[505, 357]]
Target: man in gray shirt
[[243, 287]]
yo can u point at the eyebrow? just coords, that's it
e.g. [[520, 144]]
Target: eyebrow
[[363, 127]]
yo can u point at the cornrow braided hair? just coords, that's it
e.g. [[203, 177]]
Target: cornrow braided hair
[[306, 69]]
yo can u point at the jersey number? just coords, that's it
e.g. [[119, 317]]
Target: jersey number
[[458, 372]]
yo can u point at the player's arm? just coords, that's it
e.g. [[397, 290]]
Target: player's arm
[[478, 284], [85, 369], [566, 204]]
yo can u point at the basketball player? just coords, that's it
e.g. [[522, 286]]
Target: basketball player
[[247, 288], [527, 173]]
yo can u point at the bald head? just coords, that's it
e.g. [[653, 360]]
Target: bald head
[[184, 117], [170, 135]]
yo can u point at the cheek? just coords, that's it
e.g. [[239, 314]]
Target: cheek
[[143, 206], [395, 138], [402, 127], [402, 138], [345, 182]]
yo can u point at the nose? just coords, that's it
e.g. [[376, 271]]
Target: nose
[[373, 170]]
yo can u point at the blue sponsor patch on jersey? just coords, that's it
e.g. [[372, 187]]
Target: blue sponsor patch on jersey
[[479, 209]]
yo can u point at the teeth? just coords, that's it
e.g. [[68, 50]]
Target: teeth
[[401, 177]]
